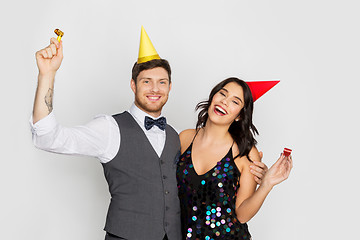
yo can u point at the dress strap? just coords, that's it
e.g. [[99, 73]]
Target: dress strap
[[194, 136], [236, 156], [231, 150], [247, 156]]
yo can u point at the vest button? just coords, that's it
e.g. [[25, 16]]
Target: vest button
[[162, 161], [167, 192], [164, 177]]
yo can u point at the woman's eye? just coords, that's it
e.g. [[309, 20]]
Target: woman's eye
[[236, 102]]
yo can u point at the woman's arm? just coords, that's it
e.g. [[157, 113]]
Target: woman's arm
[[249, 201]]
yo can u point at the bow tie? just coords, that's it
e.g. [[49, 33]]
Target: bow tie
[[149, 123]]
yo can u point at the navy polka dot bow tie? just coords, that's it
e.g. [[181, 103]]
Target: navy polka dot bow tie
[[149, 123]]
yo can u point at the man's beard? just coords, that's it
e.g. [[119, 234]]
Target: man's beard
[[150, 108]]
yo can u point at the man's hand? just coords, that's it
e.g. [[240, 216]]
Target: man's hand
[[49, 59], [258, 169]]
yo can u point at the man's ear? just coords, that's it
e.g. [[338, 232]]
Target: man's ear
[[133, 86]]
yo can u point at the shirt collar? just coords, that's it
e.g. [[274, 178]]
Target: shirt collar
[[139, 114]]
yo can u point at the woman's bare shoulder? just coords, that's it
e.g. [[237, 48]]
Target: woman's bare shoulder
[[186, 137], [254, 154], [243, 162]]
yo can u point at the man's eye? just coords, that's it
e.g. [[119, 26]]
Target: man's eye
[[222, 94]]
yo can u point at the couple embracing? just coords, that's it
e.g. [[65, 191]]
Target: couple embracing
[[200, 184]]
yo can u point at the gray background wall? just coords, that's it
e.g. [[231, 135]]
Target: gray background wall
[[311, 46]]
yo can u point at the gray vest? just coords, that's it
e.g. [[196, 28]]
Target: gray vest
[[144, 197]]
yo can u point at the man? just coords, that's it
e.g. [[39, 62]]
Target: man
[[137, 149]]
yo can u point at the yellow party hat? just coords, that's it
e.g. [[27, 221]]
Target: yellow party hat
[[147, 51]]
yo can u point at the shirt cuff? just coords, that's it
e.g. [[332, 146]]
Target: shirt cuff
[[43, 126]]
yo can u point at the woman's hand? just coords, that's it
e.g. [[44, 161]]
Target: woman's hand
[[278, 172]]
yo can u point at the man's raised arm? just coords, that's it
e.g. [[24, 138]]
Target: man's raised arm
[[48, 61]]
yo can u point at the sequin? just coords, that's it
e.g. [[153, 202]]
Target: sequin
[[208, 200]]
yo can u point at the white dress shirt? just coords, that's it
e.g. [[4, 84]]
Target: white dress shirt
[[99, 138]]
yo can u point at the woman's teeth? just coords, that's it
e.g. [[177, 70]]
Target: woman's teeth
[[220, 110]]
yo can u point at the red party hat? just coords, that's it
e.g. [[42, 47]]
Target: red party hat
[[259, 88]]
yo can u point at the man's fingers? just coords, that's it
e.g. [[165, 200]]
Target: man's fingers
[[55, 41], [256, 171], [42, 54], [53, 49], [261, 165], [257, 180], [49, 52]]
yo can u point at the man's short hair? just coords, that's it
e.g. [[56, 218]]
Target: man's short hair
[[139, 67]]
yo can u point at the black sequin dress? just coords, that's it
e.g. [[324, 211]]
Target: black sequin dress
[[208, 200]]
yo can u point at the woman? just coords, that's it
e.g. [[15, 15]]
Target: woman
[[215, 181]]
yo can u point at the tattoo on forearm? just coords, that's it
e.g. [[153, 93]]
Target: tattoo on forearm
[[48, 99]]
